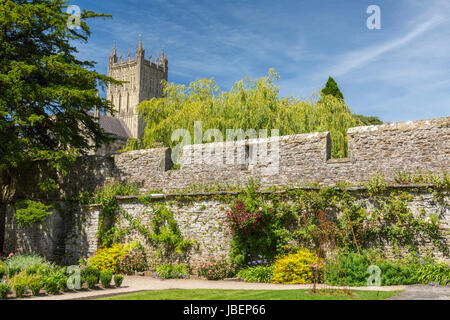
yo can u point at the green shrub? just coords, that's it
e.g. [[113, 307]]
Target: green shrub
[[170, 271], [256, 274], [350, 268], [4, 290], [134, 260], [91, 281], [90, 271], [19, 263], [29, 212], [19, 283], [105, 279], [295, 268], [57, 275], [347, 268], [107, 258], [20, 289], [3, 270], [217, 269], [118, 280], [35, 286], [437, 273], [396, 273], [51, 285]]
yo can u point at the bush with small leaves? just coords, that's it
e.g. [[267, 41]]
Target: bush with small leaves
[[4, 290], [90, 271], [20, 289], [105, 279], [91, 281], [51, 285], [217, 269], [171, 271], [118, 280], [35, 286], [295, 268], [2, 270], [256, 274], [19, 283]]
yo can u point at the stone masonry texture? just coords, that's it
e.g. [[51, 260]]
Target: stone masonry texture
[[298, 159]]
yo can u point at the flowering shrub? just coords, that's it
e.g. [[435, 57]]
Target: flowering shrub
[[254, 231], [216, 269], [242, 221], [134, 260], [295, 268]]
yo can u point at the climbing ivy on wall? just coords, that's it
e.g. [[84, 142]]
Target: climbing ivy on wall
[[30, 212], [164, 229], [374, 215], [379, 214], [106, 197]]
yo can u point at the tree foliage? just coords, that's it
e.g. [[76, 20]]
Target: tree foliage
[[368, 120], [46, 92], [250, 104], [332, 88]]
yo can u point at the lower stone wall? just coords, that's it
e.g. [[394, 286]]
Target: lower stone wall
[[42, 238], [202, 221], [201, 218]]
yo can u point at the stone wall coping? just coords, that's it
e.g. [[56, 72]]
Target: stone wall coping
[[408, 125], [176, 194]]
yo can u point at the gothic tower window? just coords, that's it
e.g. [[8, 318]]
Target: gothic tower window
[[120, 101], [128, 101]]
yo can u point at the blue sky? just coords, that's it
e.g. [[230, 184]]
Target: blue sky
[[399, 73]]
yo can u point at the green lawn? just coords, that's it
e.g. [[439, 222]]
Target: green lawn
[[213, 294]]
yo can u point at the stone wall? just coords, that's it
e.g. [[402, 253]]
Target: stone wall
[[386, 149], [297, 159], [201, 219], [303, 158], [39, 238]]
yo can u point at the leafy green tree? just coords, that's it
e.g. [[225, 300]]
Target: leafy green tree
[[46, 92], [250, 104], [368, 120], [332, 88]]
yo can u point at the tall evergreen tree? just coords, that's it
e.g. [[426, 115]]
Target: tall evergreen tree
[[332, 88], [46, 92]]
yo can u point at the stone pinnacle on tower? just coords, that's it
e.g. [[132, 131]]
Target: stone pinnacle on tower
[[114, 53]]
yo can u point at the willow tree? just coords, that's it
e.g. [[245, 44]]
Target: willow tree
[[249, 104], [46, 92]]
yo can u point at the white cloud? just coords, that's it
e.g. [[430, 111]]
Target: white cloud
[[362, 57]]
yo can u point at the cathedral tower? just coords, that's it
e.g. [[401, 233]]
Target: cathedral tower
[[143, 83]]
